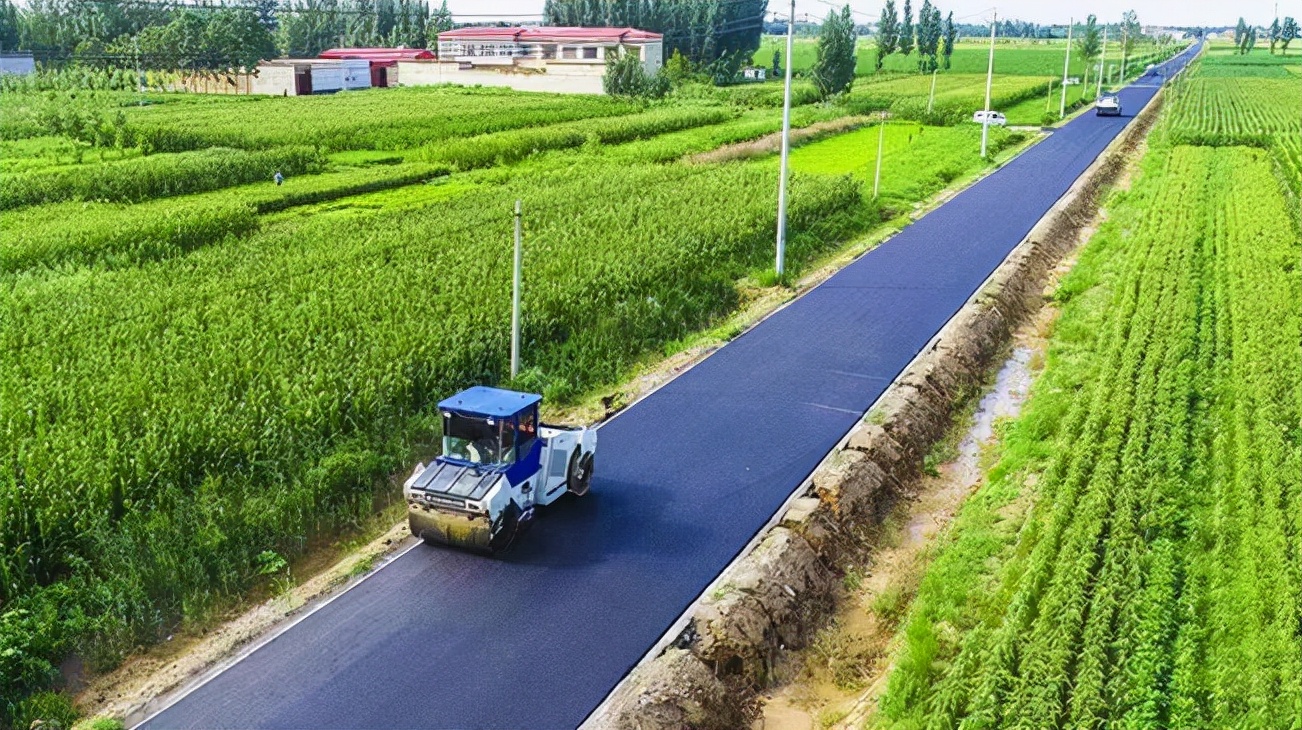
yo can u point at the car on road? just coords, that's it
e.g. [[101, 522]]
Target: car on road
[[1108, 106], [996, 118]]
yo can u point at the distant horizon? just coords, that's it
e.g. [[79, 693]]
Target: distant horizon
[[1151, 12]]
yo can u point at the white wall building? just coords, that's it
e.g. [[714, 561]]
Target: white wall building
[[567, 60], [305, 76], [21, 64]]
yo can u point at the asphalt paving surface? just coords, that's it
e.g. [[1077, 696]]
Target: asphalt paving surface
[[684, 479]]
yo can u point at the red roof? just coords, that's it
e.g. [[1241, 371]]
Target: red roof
[[548, 34], [383, 55]]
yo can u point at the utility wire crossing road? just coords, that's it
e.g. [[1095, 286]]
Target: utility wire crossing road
[[684, 479]]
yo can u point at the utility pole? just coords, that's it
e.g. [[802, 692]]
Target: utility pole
[[1102, 58], [515, 299], [1066, 63], [786, 145], [931, 100], [1124, 32], [140, 72], [990, 74], [881, 140]]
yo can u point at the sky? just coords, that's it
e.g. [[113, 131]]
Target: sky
[[1151, 12]]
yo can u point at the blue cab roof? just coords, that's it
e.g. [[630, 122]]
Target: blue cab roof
[[482, 400]]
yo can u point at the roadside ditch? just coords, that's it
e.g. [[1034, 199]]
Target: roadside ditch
[[774, 600]]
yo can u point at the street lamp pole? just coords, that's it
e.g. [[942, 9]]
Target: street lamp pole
[[990, 74], [786, 146], [1062, 109]]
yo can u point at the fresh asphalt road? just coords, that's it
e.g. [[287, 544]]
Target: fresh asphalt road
[[685, 478]]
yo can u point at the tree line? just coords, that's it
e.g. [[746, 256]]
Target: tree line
[[932, 37], [716, 35], [1279, 34], [187, 37]]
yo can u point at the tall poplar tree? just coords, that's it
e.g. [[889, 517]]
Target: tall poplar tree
[[1287, 34], [906, 29], [1088, 45], [888, 32], [834, 66], [951, 35], [929, 32]]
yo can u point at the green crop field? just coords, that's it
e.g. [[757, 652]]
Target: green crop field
[[1013, 57], [388, 119], [956, 95], [1243, 100], [1131, 559], [917, 160]]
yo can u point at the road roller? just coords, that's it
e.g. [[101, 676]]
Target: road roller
[[499, 465]]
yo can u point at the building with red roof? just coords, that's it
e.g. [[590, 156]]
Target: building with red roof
[[532, 58]]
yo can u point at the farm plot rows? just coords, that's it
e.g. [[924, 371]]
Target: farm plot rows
[[53, 239], [1154, 579], [387, 119], [1013, 57], [375, 119], [48, 152], [155, 176], [166, 423], [1246, 110], [64, 236], [1243, 100]]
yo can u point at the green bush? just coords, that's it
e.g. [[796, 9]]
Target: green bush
[[626, 77], [48, 710]]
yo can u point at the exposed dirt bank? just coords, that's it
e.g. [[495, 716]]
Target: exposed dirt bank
[[835, 681]]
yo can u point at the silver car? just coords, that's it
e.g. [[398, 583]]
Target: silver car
[[1108, 106]]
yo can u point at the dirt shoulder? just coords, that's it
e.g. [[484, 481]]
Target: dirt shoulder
[[145, 683], [836, 681]]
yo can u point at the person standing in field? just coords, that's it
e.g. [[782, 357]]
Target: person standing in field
[[278, 177]]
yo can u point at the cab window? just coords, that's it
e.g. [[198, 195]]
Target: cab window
[[528, 431], [476, 440]]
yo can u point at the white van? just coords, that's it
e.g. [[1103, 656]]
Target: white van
[[996, 118]]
